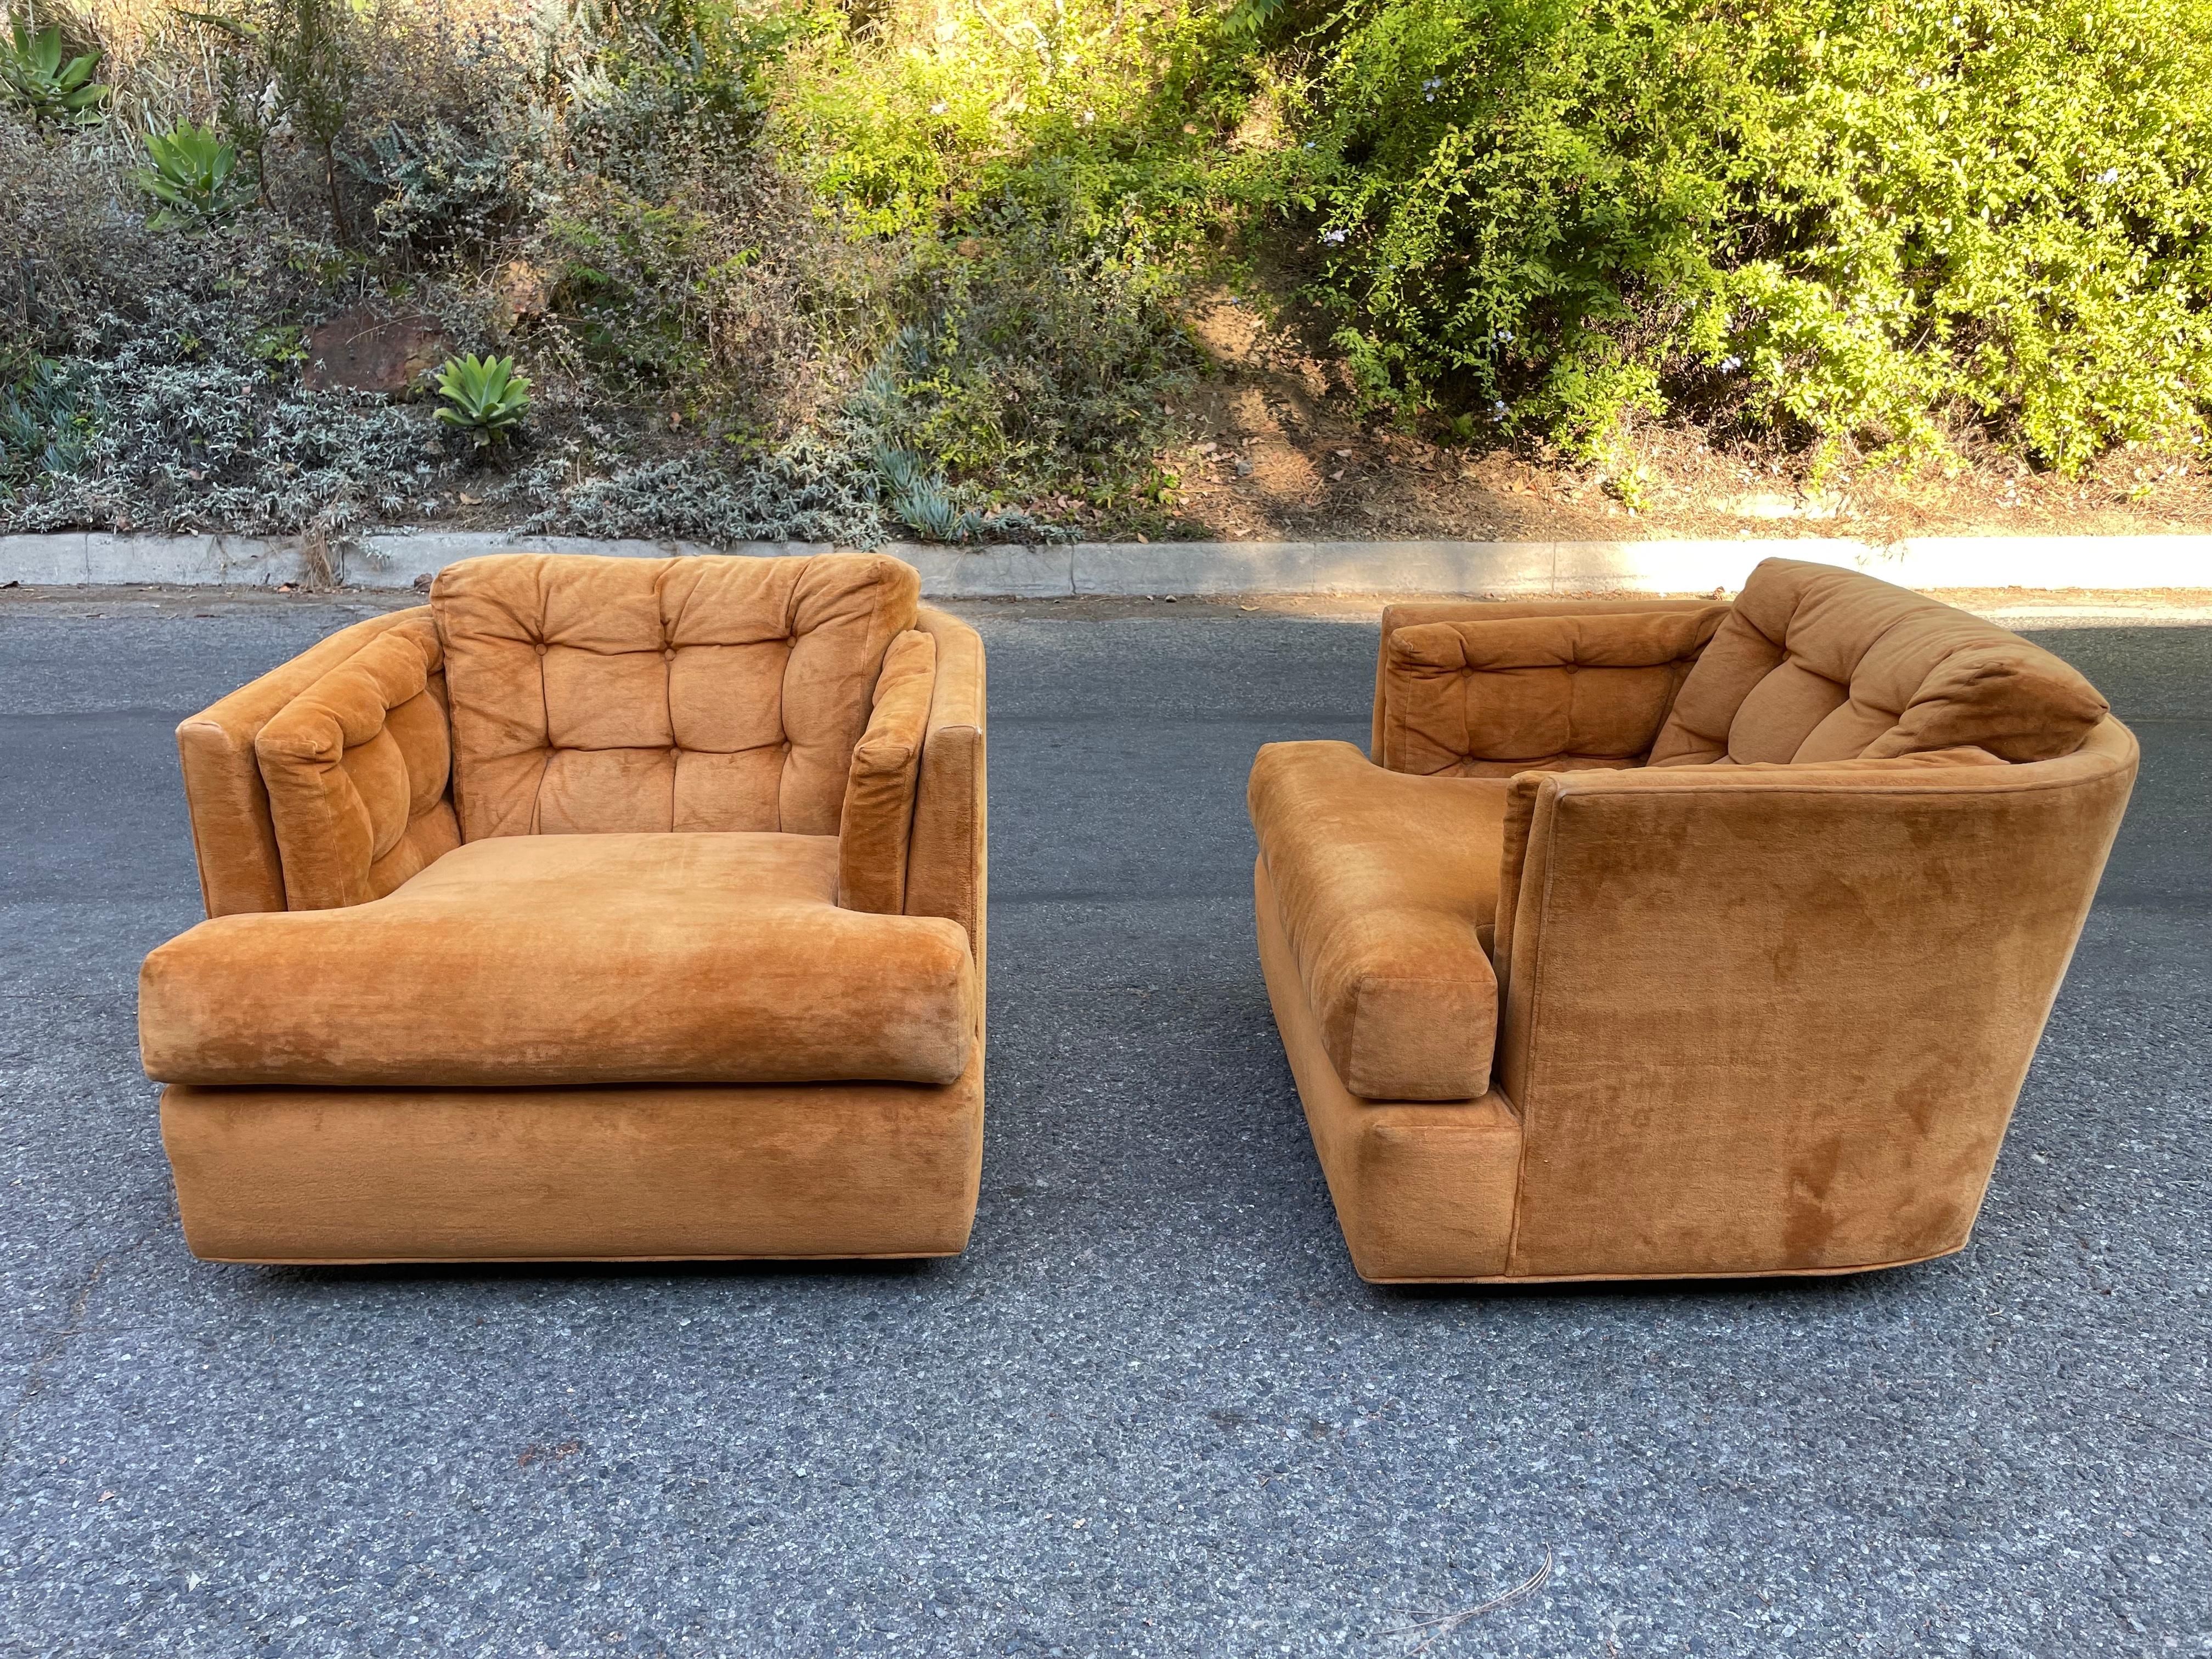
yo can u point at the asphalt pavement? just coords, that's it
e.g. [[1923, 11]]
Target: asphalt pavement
[[1152, 1411]]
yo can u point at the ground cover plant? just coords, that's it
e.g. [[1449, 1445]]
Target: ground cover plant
[[939, 269]]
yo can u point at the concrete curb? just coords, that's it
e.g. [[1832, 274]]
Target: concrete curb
[[1194, 569]]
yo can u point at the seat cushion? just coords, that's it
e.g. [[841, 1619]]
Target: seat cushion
[[1384, 882], [1817, 663], [571, 959], [594, 695]]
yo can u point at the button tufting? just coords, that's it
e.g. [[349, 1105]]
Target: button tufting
[[668, 654], [540, 648]]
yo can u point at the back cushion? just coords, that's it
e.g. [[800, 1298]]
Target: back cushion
[[877, 831], [596, 696], [1816, 663], [357, 767], [1483, 698]]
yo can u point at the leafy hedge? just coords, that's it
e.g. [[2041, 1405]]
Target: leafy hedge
[[1879, 220]]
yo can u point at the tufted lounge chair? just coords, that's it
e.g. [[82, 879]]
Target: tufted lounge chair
[[1667, 939], [601, 909]]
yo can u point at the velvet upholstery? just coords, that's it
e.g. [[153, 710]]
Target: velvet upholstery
[[1489, 698], [566, 959], [1423, 1191], [703, 1171], [357, 767], [877, 825], [1386, 883], [536, 931], [233, 837], [1752, 1016], [947, 872], [594, 695], [1586, 614], [1521, 809], [1890, 942], [1816, 663]]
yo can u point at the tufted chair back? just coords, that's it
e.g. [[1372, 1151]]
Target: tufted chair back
[[356, 766], [596, 696], [1552, 688], [1815, 663]]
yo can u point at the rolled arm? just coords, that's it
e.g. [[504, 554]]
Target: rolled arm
[[1472, 690], [947, 857]]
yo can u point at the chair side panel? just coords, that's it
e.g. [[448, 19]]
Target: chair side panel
[[948, 864], [1775, 1025]]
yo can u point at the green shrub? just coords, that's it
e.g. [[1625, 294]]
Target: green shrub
[[877, 267], [1874, 222], [1126, 119], [1041, 361]]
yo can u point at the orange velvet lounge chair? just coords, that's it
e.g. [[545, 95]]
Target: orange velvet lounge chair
[[601, 909], [1663, 940]]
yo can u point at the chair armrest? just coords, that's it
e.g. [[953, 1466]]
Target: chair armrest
[[233, 839], [947, 857], [1474, 690], [358, 768], [1378, 882]]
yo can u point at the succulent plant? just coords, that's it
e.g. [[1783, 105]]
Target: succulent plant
[[484, 397], [33, 74], [194, 176]]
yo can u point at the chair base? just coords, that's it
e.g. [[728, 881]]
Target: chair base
[[660, 1173]]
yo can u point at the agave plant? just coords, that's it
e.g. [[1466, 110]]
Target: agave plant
[[484, 397], [195, 176], [33, 74], [933, 515]]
